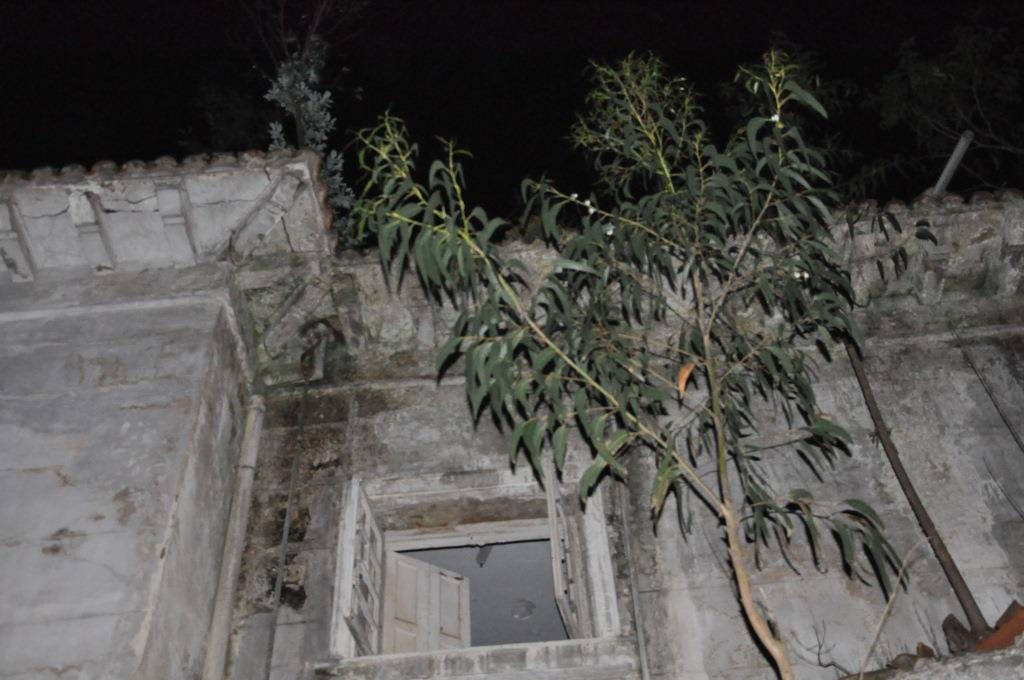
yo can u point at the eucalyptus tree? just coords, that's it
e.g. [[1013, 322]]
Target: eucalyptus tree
[[688, 292]]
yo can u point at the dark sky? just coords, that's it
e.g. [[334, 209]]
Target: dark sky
[[95, 79]]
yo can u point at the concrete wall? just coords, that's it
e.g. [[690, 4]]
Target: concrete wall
[[113, 420], [140, 306], [562, 660], [380, 411], [961, 458], [122, 374], [944, 353]]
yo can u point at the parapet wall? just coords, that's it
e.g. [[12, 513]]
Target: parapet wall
[[975, 266], [158, 215]]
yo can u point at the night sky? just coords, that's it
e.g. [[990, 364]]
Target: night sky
[[82, 81]]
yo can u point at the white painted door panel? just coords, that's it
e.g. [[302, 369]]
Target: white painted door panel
[[358, 585], [426, 608]]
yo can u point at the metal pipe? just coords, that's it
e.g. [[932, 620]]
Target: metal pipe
[[949, 567], [234, 543]]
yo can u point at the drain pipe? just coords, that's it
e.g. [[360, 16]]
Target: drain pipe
[[949, 566], [641, 641], [234, 543]]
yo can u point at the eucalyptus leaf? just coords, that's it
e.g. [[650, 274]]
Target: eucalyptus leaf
[[676, 314]]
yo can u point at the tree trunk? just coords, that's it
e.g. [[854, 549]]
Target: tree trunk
[[300, 126], [776, 647]]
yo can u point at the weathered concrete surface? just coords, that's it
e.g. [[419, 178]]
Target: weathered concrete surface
[[948, 395], [138, 307], [944, 355], [112, 421], [612, 659], [184, 603], [122, 369], [157, 215], [1004, 665], [962, 459]]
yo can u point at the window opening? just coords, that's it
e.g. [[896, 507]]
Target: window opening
[[425, 589], [510, 587]]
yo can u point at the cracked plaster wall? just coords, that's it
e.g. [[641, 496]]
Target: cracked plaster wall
[[122, 377], [379, 411], [945, 354], [118, 428], [100, 269]]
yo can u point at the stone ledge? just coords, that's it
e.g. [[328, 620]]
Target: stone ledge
[[587, 659]]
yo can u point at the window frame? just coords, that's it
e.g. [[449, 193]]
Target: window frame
[[473, 533], [592, 552]]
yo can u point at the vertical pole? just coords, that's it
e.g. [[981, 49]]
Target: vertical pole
[[952, 164]]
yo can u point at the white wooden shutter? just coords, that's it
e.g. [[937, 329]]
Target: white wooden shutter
[[567, 557], [358, 583], [426, 608]]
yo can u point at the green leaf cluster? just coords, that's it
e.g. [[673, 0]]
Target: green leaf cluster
[[690, 292]]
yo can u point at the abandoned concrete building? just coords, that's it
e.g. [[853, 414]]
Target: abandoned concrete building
[[177, 503]]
